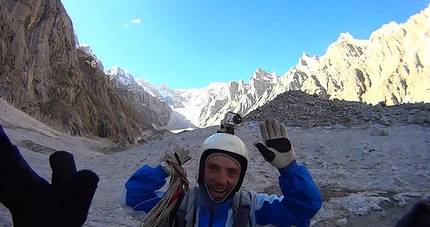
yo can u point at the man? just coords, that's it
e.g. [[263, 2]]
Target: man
[[221, 169]]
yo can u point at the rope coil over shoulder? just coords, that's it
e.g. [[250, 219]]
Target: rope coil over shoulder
[[161, 214]]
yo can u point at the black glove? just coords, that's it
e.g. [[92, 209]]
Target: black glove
[[32, 201], [418, 216], [278, 149]]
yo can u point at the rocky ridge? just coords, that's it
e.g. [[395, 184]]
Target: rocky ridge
[[299, 109], [391, 67], [203, 107]]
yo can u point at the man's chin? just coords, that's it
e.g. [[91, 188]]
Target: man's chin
[[217, 198]]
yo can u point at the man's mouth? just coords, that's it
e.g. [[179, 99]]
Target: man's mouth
[[217, 190]]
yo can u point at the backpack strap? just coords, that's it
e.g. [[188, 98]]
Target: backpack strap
[[242, 209], [183, 217]]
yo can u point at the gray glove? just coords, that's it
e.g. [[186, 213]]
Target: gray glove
[[278, 149], [179, 153]]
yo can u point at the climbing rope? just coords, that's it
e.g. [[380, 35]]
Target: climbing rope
[[160, 215]]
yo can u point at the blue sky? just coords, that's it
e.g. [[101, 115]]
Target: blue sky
[[188, 44]]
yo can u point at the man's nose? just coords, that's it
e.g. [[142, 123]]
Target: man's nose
[[221, 177]]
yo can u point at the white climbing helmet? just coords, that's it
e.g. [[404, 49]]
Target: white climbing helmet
[[226, 144]]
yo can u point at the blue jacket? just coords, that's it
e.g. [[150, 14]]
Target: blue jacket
[[299, 204]]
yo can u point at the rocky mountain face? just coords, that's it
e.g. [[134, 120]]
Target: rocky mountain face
[[43, 74], [238, 97], [143, 103], [393, 66]]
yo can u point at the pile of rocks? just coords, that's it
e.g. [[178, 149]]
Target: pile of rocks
[[299, 109]]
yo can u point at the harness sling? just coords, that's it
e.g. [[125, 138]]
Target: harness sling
[[185, 218], [242, 209], [241, 205]]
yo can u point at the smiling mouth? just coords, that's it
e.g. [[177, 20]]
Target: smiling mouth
[[220, 191]]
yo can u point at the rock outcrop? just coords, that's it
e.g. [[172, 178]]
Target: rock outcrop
[[393, 66], [43, 74]]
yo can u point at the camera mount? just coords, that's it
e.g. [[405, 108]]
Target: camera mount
[[229, 123]]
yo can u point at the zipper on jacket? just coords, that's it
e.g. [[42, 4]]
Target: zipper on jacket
[[211, 220]]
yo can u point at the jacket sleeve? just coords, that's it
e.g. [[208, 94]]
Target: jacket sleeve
[[140, 193], [299, 205]]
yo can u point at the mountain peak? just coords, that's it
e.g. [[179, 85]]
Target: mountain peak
[[345, 37], [88, 50], [262, 75], [122, 76], [165, 87]]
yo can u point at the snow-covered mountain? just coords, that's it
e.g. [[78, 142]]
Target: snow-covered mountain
[[202, 107], [120, 77]]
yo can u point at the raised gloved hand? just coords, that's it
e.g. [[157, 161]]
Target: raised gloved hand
[[33, 201], [277, 149], [179, 153]]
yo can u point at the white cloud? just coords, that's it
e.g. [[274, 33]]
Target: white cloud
[[136, 21], [125, 25]]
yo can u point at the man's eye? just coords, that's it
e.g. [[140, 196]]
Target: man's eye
[[232, 173]]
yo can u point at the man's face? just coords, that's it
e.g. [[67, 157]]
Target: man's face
[[221, 175]]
